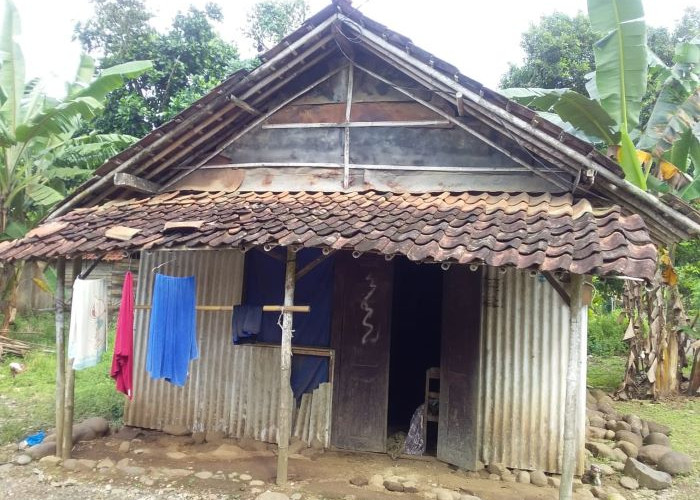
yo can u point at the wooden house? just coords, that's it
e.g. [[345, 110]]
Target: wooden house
[[427, 222]]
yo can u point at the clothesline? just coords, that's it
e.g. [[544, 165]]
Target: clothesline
[[268, 308]]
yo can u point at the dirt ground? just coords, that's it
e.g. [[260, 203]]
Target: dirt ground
[[164, 466]]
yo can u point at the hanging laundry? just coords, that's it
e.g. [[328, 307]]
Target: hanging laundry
[[87, 338], [123, 358], [246, 323], [172, 341]]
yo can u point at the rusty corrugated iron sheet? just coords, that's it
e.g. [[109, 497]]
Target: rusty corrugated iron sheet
[[524, 351], [525, 231], [234, 389]]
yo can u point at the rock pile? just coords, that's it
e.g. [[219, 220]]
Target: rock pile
[[639, 448]]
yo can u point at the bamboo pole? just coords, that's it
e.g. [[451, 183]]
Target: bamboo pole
[[67, 442], [59, 300], [285, 404], [572, 420]]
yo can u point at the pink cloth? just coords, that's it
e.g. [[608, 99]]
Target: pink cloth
[[123, 359]]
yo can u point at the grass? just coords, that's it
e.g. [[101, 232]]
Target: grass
[[605, 373], [27, 403]]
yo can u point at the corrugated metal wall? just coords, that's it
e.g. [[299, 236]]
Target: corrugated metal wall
[[524, 351], [234, 389]]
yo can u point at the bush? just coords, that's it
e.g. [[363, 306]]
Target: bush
[[605, 332]]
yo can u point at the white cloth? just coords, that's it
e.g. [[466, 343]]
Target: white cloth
[[87, 339]]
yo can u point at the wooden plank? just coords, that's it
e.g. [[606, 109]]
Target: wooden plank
[[459, 381], [285, 400], [244, 105], [135, 183], [361, 327], [361, 112], [185, 224], [122, 233], [421, 123], [309, 113], [572, 419], [59, 308], [346, 132], [558, 286]]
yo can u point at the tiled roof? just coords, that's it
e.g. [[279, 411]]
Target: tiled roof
[[544, 232]]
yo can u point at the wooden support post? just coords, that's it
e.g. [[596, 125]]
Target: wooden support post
[[284, 416], [346, 132], [67, 442], [572, 419], [59, 301]]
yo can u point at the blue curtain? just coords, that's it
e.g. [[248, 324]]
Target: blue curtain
[[264, 284]]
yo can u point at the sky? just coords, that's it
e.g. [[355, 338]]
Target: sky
[[479, 37]]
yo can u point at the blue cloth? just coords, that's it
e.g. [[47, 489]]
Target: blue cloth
[[172, 341], [35, 438], [264, 284], [246, 323]]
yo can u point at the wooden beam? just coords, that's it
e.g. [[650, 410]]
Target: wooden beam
[[346, 132], [135, 183], [558, 286], [573, 421], [460, 104], [393, 124], [59, 305], [312, 265], [244, 105], [284, 415], [67, 442], [370, 166]]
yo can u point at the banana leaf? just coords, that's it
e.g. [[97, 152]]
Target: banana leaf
[[629, 161], [621, 58], [11, 67], [581, 112]]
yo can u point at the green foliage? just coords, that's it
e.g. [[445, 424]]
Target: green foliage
[[39, 133], [688, 269], [605, 373], [269, 21], [605, 332], [28, 400], [189, 59]]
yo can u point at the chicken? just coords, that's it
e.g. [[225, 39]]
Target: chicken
[[16, 368]]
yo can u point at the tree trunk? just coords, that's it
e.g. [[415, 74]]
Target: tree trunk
[[11, 272]]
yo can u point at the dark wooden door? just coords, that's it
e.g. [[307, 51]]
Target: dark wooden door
[[459, 367], [361, 336]]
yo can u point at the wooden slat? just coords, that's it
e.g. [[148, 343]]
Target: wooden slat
[[135, 183]]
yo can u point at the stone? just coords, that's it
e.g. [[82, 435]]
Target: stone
[[599, 492], [553, 481], [468, 497], [634, 421], [596, 432], [608, 409], [70, 464], [494, 477], [646, 476], [176, 473], [496, 468], [124, 447], [656, 427], [523, 477], [630, 437], [245, 477], [256, 482], [272, 495], [205, 474], [295, 496], [596, 421], [98, 425], [657, 438], [600, 450], [618, 466], [296, 445], [50, 460], [629, 483], [675, 463], [133, 470], [538, 478], [508, 477], [393, 486], [652, 453], [105, 463], [176, 430], [610, 435], [645, 428], [619, 455], [252, 445], [215, 436], [199, 437], [620, 425], [359, 481], [410, 487], [23, 459], [605, 469], [443, 494], [175, 455], [614, 496], [42, 450], [630, 449]]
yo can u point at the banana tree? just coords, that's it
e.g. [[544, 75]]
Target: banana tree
[[44, 149], [609, 115]]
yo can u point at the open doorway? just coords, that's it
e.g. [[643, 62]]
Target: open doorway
[[416, 327]]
